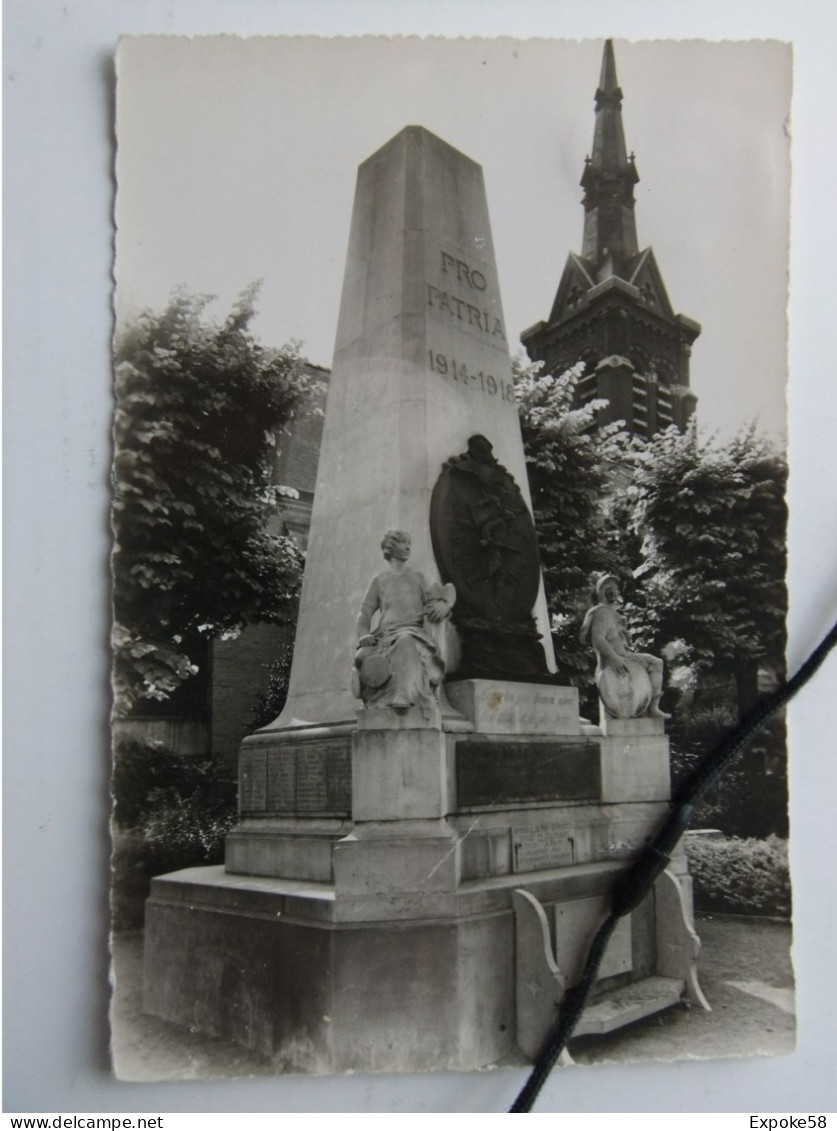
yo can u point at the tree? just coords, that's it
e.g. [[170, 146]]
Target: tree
[[572, 467], [197, 555], [712, 517]]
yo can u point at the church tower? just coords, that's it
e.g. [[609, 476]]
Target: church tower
[[611, 310]]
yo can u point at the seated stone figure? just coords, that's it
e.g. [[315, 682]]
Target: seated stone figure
[[630, 683], [398, 663]]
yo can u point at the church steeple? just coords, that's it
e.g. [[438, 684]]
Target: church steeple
[[611, 313], [610, 241]]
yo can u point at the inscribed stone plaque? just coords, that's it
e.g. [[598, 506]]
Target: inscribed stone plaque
[[542, 846], [310, 777], [281, 780], [505, 707], [339, 777], [252, 785], [311, 780], [496, 773]]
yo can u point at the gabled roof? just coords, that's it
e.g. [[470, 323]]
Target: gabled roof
[[580, 277], [644, 274], [577, 279]]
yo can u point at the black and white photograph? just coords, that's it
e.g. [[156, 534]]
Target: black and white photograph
[[449, 538], [418, 446]]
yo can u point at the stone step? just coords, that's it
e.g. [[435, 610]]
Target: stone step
[[629, 1003]]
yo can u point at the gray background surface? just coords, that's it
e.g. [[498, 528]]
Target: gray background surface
[[58, 149]]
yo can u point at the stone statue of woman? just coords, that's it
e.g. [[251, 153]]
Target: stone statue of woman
[[398, 663], [630, 683]]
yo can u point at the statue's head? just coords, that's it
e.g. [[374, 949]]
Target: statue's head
[[607, 588], [480, 449], [396, 544]]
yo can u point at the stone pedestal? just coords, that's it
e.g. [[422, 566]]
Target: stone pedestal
[[643, 727], [376, 932], [401, 775], [272, 966], [390, 862]]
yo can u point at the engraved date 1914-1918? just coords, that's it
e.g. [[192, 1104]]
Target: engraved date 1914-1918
[[485, 382]]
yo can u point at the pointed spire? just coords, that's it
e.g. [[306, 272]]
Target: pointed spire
[[608, 83], [609, 178]]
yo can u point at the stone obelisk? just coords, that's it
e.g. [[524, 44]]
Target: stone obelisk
[[421, 363]]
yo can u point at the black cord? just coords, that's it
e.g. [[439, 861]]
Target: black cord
[[637, 881]]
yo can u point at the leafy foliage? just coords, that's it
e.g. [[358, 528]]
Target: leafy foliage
[[693, 529], [148, 776], [713, 519], [270, 704], [572, 467], [744, 877], [752, 801], [199, 405], [170, 811]]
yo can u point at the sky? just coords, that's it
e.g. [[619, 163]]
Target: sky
[[237, 161]]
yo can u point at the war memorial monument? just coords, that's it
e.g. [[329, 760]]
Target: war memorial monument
[[429, 832]]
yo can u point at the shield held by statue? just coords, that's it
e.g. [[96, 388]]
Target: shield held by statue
[[485, 544]]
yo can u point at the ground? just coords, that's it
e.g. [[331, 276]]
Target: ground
[[745, 973]]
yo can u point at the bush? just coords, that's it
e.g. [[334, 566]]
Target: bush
[[751, 799], [130, 879], [271, 703], [171, 811], [740, 876]]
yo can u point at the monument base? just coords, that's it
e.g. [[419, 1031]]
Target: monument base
[[406, 935], [274, 966], [270, 965]]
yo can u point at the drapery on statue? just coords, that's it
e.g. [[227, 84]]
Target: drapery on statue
[[398, 664], [630, 683]]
